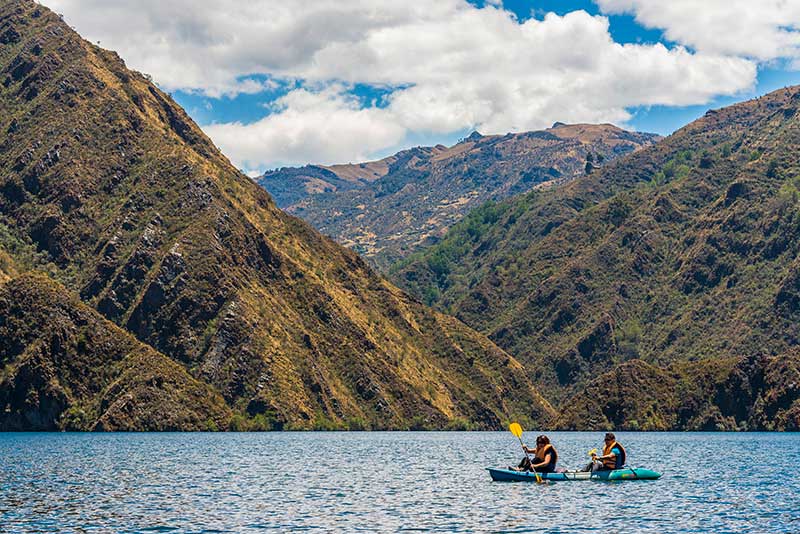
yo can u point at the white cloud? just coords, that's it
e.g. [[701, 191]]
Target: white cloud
[[211, 44], [760, 29], [458, 67], [308, 126]]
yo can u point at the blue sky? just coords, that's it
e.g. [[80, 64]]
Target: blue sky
[[274, 84]]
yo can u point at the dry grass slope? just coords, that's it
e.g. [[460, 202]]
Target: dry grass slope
[[111, 188], [684, 251]]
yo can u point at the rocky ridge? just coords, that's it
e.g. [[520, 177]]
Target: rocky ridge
[[390, 208]]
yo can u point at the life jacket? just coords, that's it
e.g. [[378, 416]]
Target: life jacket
[[542, 452], [619, 460]]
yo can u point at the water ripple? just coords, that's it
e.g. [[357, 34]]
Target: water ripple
[[389, 482]]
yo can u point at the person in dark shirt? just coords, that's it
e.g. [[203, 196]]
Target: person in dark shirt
[[545, 456]]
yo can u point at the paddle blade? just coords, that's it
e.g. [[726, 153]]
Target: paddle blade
[[591, 452], [515, 429]]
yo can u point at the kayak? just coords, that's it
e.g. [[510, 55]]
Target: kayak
[[627, 473]]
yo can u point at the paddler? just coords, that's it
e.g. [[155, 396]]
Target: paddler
[[613, 456], [545, 456]]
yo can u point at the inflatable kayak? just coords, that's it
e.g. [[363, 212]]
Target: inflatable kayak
[[627, 473]]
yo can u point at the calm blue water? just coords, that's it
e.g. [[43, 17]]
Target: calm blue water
[[387, 482]]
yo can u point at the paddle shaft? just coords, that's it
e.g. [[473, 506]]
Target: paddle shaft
[[530, 462]]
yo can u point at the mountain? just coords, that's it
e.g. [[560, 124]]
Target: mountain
[[65, 367], [389, 208], [110, 189], [686, 251]]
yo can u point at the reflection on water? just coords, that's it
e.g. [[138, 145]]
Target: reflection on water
[[387, 482]]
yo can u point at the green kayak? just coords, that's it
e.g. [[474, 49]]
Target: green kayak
[[627, 473]]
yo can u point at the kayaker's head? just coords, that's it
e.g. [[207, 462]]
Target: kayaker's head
[[610, 437], [542, 441]]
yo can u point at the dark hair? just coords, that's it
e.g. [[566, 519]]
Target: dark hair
[[543, 439], [610, 435]]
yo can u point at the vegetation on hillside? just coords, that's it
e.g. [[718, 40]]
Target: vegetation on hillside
[[661, 290], [754, 393], [7, 268], [686, 251], [64, 367]]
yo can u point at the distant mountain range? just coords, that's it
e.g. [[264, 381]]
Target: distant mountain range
[[389, 208], [149, 285], [663, 291]]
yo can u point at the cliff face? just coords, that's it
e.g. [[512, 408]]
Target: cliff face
[[108, 186], [65, 367], [390, 208], [683, 251]]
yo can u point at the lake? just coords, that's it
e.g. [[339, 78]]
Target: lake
[[389, 481]]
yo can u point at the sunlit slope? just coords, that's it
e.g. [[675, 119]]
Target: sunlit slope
[[111, 187]]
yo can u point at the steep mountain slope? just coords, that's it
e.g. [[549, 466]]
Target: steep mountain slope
[[65, 367], [386, 209], [754, 393], [684, 251], [110, 187]]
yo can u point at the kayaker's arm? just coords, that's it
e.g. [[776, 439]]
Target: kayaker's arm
[[544, 462]]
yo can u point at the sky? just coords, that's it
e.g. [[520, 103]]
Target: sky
[[277, 83]]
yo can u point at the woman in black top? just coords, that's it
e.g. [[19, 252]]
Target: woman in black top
[[545, 456]]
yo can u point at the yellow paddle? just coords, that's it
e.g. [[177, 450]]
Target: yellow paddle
[[517, 431]]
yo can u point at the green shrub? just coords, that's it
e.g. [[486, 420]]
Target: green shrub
[[263, 422], [75, 418]]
